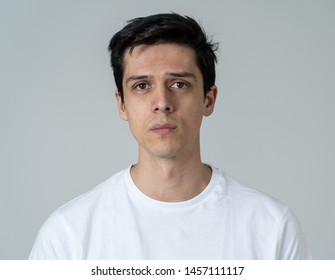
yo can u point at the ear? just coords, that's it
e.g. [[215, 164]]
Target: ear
[[210, 101], [120, 106]]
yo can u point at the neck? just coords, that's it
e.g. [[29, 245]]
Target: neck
[[171, 180]]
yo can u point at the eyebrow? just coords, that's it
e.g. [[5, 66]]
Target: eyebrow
[[182, 75], [172, 74], [137, 77]]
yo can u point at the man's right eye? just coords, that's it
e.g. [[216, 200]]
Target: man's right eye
[[141, 86]]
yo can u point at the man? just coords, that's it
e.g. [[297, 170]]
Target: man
[[169, 205]]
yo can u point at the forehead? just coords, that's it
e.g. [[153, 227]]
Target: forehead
[[160, 57]]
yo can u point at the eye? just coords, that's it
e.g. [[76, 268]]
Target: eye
[[179, 85], [141, 86]]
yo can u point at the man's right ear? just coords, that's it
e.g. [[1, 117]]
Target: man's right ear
[[120, 106]]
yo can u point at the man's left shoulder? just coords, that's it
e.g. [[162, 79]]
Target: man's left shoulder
[[250, 199]]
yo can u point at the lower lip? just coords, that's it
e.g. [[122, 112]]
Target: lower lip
[[163, 131]]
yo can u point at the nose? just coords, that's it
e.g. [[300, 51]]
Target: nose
[[163, 101]]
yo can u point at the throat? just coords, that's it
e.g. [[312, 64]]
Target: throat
[[172, 185]]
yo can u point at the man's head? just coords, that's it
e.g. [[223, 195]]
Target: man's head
[[163, 28]]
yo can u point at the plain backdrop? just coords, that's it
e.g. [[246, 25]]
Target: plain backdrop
[[60, 133]]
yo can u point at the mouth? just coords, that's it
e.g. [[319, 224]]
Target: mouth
[[163, 129]]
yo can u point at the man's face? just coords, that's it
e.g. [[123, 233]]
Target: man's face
[[164, 100]]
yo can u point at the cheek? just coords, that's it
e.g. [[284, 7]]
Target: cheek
[[136, 123], [195, 116], [133, 121], [192, 120], [196, 109], [135, 131]]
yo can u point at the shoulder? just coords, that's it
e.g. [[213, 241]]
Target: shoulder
[[251, 202], [63, 233], [79, 212], [108, 189]]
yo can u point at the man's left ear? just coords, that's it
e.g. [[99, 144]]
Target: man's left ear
[[210, 101]]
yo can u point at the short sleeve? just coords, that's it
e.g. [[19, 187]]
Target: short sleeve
[[291, 243], [55, 241]]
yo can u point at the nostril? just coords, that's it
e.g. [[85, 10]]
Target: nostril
[[167, 109]]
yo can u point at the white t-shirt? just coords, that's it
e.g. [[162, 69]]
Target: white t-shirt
[[115, 220]]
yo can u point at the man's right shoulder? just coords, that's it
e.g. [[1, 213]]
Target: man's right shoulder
[[107, 190], [63, 233]]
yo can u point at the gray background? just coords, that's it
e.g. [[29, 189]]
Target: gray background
[[273, 127]]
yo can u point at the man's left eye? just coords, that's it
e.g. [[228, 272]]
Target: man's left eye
[[179, 85]]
